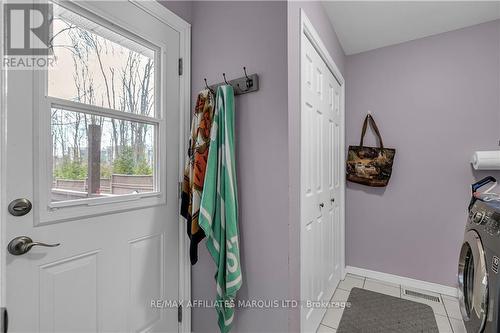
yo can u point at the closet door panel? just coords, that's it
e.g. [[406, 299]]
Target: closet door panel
[[320, 180]]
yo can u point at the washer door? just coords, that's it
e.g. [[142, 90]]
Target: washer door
[[473, 283]]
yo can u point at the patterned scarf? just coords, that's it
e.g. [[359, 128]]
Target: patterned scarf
[[194, 171]]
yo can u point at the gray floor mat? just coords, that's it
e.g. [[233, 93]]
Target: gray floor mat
[[370, 311]]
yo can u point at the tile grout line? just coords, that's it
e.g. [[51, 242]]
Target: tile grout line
[[328, 326], [323, 318], [333, 328], [337, 288], [446, 311]]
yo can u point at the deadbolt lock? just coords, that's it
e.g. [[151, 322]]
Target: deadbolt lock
[[20, 207]]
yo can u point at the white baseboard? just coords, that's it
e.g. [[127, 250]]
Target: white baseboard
[[405, 281]]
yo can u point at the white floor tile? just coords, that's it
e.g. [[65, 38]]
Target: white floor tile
[[452, 307], [457, 325], [326, 329], [443, 324], [437, 307], [351, 281], [383, 288], [332, 317], [390, 284], [340, 295]]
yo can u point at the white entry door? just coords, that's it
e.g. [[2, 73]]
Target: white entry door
[[321, 185], [93, 144]]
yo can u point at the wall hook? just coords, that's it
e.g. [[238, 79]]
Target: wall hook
[[224, 75], [248, 81], [207, 87], [245, 70]]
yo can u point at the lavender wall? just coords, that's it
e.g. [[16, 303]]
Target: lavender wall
[[436, 101], [316, 14], [225, 37], [183, 9]]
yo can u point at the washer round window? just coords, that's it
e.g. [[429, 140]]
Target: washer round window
[[473, 283]]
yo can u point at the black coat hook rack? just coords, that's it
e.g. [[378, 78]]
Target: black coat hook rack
[[242, 85]]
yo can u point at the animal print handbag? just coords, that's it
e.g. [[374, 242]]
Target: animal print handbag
[[369, 165]]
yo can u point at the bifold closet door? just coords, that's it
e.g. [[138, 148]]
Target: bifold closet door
[[320, 183]]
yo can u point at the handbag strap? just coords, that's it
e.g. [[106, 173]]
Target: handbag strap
[[370, 119]]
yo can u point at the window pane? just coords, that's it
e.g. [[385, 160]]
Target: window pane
[[96, 66], [118, 155]]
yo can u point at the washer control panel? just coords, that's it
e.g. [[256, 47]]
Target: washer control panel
[[492, 227], [482, 214]]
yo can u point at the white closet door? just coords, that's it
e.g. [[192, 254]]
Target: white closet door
[[333, 167], [320, 183]]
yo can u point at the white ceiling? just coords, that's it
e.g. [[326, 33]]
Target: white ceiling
[[367, 25]]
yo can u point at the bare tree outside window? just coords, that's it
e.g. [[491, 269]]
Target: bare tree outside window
[[97, 67]]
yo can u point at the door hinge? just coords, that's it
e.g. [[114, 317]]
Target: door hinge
[[4, 320], [181, 67], [179, 313]]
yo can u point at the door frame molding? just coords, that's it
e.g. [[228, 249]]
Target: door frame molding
[[184, 29], [3, 171], [307, 29]]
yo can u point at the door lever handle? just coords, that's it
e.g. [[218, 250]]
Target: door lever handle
[[23, 244]]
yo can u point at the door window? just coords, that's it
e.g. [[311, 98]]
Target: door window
[[104, 119], [98, 67], [121, 163]]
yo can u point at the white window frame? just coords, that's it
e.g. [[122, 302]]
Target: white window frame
[[52, 212]]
